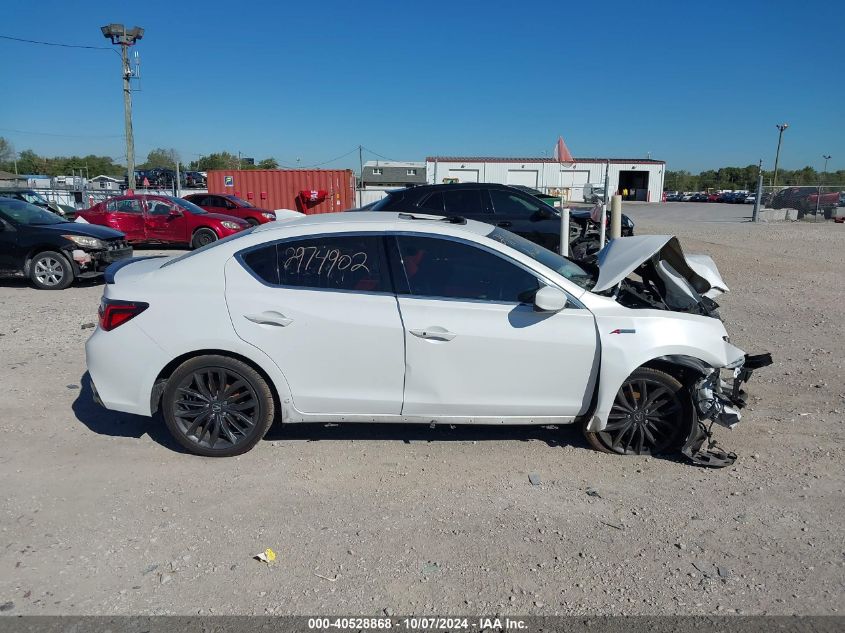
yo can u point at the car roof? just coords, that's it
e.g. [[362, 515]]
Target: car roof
[[377, 220], [457, 185]]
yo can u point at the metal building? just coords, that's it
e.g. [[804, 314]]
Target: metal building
[[634, 178]]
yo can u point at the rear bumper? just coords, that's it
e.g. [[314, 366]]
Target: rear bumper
[[122, 381]]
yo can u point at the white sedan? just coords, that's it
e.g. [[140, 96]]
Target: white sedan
[[385, 317]]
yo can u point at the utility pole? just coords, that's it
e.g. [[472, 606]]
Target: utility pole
[[781, 127], [118, 34], [361, 175], [756, 214], [819, 192]]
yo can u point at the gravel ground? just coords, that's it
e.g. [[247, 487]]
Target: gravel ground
[[101, 514]]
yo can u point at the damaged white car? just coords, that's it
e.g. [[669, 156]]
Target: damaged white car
[[386, 317]]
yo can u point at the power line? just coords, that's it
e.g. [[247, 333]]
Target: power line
[[6, 129], [20, 39], [379, 155], [326, 162]]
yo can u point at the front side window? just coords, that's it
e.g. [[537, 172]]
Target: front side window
[[348, 262], [129, 205], [159, 208], [510, 203], [442, 268]]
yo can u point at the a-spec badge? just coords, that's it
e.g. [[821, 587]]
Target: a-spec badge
[[623, 331]]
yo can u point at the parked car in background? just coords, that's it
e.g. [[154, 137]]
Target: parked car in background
[[33, 197], [505, 207], [712, 197], [806, 200], [472, 324], [51, 251], [750, 198], [231, 205], [698, 197], [194, 180], [165, 219], [552, 201], [673, 197]]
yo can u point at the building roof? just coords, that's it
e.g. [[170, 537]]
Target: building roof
[[394, 163], [104, 177], [500, 159]]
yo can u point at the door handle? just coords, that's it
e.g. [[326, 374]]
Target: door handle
[[505, 224], [269, 318], [435, 333]]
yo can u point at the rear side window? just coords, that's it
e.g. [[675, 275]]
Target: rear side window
[[124, 206], [463, 202], [441, 268], [433, 203], [348, 262]]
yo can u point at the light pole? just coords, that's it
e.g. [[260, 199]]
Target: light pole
[[781, 127], [819, 192], [118, 34]]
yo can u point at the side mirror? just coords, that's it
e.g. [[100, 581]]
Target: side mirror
[[175, 213], [550, 299]]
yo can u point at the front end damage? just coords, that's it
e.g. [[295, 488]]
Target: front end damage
[[718, 396]]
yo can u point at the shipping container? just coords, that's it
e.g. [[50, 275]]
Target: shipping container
[[306, 190]]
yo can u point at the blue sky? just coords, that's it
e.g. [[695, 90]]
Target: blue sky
[[698, 84]]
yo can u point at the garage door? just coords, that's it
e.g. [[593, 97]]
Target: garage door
[[575, 181], [526, 177], [464, 175]]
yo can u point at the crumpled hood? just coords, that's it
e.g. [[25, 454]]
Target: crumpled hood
[[625, 254]]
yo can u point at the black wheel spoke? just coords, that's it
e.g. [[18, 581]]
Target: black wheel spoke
[[644, 417]]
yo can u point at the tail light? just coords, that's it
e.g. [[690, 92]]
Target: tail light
[[113, 312]]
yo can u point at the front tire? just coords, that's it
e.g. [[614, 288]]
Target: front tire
[[217, 406], [50, 271], [652, 414], [203, 237], [252, 222]]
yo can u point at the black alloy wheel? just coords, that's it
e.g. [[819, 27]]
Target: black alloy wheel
[[650, 415], [217, 406], [203, 237]]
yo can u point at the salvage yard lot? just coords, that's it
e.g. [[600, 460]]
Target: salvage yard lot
[[101, 513]]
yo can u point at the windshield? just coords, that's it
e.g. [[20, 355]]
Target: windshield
[[562, 266], [186, 204], [241, 202], [24, 213], [34, 198]]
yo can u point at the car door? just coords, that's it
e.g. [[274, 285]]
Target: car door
[[525, 216], [475, 346], [10, 257], [164, 221], [323, 308], [125, 214]]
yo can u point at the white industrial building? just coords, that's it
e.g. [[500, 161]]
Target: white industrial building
[[634, 178]]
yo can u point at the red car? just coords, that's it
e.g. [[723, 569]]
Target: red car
[[231, 205], [148, 218]]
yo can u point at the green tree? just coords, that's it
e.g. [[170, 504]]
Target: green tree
[[7, 152], [161, 157], [220, 160], [268, 163]]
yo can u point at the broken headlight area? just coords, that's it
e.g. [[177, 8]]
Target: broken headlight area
[[93, 261], [718, 398]]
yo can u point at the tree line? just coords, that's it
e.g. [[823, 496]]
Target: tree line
[[29, 162], [737, 178]]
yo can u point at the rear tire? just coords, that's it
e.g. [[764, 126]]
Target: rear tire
[[652, 414], [252, 222], [203, 237], [217, 406], [50, 271]]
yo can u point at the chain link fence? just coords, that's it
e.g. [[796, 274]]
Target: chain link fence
[[799, 202]]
